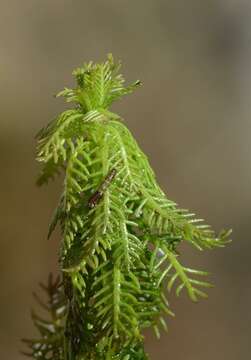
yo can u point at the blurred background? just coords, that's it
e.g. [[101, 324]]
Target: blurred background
[[192, 118]]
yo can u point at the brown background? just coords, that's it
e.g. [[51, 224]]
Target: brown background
[[192, 117]]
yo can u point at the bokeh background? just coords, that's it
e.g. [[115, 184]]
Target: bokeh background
[[192, 118]]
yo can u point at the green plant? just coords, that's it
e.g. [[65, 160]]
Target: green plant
[[119, 230]]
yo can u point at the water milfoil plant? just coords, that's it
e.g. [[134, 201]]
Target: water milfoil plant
[[118, 253]]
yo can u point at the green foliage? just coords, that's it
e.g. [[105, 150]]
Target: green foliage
[[50, 344], [118, 257]]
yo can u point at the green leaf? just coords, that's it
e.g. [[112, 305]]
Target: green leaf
[[182, 272]]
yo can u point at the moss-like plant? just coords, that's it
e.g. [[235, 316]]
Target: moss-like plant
[[119, 230]]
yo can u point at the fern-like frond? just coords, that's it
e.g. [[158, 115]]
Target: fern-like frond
[[50, 344], [115, 301], [59, 138], [159, 214], [51, 144], [49, 171], [175, 271]]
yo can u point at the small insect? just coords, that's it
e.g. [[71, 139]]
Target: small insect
[[97, 196]]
